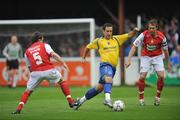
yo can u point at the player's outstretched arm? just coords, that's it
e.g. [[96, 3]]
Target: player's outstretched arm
[[86, 51], [131, 53], [133, 32], [59, 59]]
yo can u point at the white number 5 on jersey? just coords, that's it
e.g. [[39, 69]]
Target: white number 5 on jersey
[[38, 58]]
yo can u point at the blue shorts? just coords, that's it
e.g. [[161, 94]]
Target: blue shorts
[[106, 69]]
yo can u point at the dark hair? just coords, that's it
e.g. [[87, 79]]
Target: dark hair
[[106, 25], [153, 21], [36, 36]]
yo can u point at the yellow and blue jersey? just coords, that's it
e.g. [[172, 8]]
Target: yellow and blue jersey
[[108, 48]]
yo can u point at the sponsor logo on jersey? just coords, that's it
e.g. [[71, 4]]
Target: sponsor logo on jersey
[[151, 47]]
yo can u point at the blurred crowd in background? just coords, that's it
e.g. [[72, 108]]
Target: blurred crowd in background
[[72, 44]]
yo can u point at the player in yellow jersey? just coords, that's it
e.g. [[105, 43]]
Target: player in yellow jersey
[[108, 47]]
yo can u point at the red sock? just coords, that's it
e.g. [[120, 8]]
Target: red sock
[[160, 85], [141, 85], [66, 91], [23, 99]]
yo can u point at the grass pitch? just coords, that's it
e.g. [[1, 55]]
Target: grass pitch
[[48, 103]]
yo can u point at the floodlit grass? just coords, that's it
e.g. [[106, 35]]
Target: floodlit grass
[[48, 103]]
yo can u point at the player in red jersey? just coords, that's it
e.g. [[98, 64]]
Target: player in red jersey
[[153, 45], [37, 58]]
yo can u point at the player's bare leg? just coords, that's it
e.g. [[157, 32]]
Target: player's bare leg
[[10, 78], [160, 85], [15, 78]]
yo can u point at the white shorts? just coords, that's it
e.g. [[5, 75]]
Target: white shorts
[[37, 77], [156, 62]]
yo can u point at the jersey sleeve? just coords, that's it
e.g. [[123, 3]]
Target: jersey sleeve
[[26, 60], [5, 51], [138, 40], [48, 48], [121, 38], [164, 44], [93, 44]]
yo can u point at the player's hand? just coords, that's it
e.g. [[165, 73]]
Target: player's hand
[[66, 67], [136, 29], [128, 63]]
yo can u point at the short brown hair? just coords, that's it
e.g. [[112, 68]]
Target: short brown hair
[[106, 25]]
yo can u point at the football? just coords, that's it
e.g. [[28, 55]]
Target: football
[[118, 105]]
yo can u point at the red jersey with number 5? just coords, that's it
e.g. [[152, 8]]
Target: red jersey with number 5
[[151, 45], [38, 57]]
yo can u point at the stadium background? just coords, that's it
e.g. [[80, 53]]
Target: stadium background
[[102, 11]]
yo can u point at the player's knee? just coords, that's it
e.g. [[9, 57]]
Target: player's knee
[[108, 79], [60, 80], [142, 77], [29, 92], [99, 88], [161, 77]]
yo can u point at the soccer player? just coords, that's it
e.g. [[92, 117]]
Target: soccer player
[[154, 44], [13, 53], [37, 58], [108, 47]]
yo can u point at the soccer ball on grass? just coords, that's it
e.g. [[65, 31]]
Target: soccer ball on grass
[[118, 105]]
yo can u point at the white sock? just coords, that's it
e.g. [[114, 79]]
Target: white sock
[[107, 96], [68, 96], [82, 100]]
